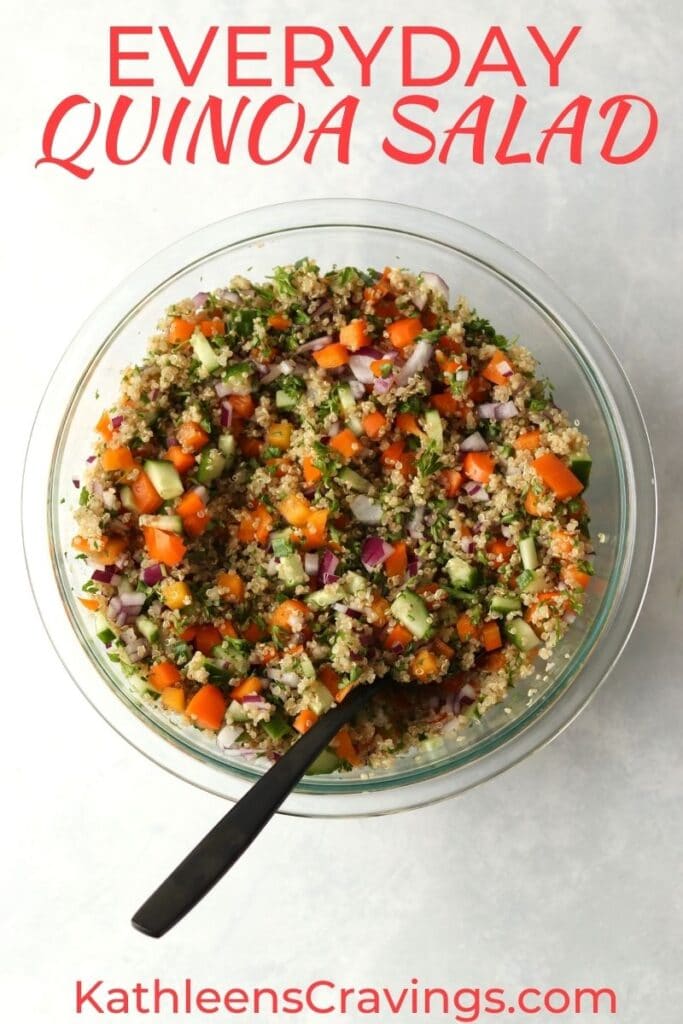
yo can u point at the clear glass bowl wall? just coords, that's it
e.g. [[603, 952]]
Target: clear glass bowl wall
[[520, 301]]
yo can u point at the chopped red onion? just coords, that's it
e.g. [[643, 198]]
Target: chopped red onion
[[372, 352], [504, 368], [357, 388], [505, 530], [253, 698], [227, 737], [132, 601], [436, 284], [467, 694], [334, 428], [384, 384], [202, 493], [116, 422], [475, 491], [416, 362], [105, 574], [341, 608], [415, 524], [413, 566], [223, 389], [316, 343], [365, 510], [226, 295], [360, 368], [226, 413], [312, 562], [467, 545], [200, 299], [474, 443], [328, 567], [487, 410], [91, 458], [462, 375], [375, 552], [152, 574], [76, 483], [497, 410]]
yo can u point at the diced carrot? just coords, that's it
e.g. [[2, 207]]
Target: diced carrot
[[163, 674], [499, 550], [479, 466], [493, 370], [227, 628], [396, 455], [354, 335], [466, 629], [533, 502], [183, 461], [290, 614], [279, 322], [315, 529], [397, 562], [490, 636], [332, 356], [113, 459], [310, 471], [206, 638], [556, 475], [329, 678], [188, 634], [253, 633], [212, 328], [404, 332], [528, 442], [255, 525], [397, 637], [192, 436], [446, 403], [242, 406], [248, 686], [346, 443], [145, 495], [91, 603], [279, 435], [295, 509], [407, 424], [381, 367], [164, 547], [452, 481], [173, 698], [424, 665], [104, 427], [190, 503], [233, 583], [305, 720], [108, 549], [494, 661], [478, 388], [180, 330], [575, 578], [207, 707], [343, 746], [374, 423]]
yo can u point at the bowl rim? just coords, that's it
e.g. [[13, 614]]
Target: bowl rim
[[551, 715]]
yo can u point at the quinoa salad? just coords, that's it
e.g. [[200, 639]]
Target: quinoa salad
[[320, 480]]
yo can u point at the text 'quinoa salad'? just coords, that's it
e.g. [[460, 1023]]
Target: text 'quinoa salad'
[[320, 480]]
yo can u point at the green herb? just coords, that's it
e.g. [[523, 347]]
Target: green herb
[[429, 462], [84, 496]]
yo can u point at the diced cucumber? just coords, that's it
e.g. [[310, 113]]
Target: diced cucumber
[[532, 581], [276, 727], [281, 542], [346, 399], [164, 478], [127, 499], [286, 400], [410, 610], [239, 378], [237, 712], [103, 631], [463, 595], [147, 628], [521, 634], [461, 573], [211, 465], [434, 428], [125, 586], [321, 697], [291, 570], [355, 424], [326, 596], [354, 583], [324, 763], [170, 524], [201, 347], [527, 551], [226, 446], [354, 480], [580, 466], [504, 603]]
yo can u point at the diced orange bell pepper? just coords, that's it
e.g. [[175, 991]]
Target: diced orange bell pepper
[[346, 443], [354, 336], [164, 547], [305, 720], [332, 356], [180, 330], [192, 436], [207, 707], [493, 369], [374, 423], [113, 459], [404, 332], [163, 674], [479, 466], [556, 475]]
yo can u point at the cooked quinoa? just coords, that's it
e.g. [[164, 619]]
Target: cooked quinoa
[[310, 483]]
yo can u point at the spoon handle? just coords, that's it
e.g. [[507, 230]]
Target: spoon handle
[[227, 841]]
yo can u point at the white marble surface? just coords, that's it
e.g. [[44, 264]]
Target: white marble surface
[[563, 872]]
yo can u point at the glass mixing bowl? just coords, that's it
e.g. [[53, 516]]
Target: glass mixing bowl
[[519, 300]]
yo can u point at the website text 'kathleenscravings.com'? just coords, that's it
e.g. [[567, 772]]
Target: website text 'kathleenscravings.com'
[[331, 1001]]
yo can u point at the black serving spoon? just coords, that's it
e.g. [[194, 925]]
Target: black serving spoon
[[227, 841]]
